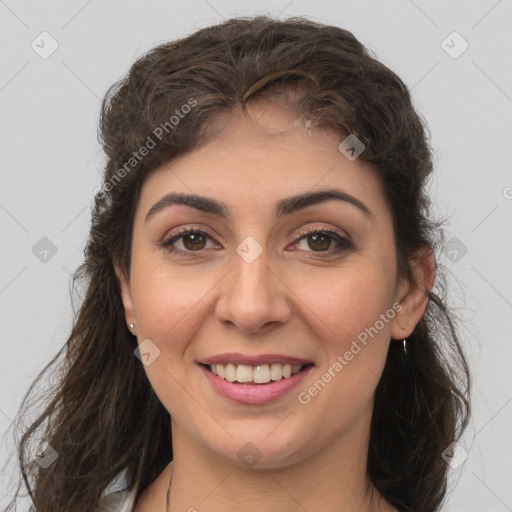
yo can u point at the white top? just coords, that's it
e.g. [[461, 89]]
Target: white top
[[120, 501]]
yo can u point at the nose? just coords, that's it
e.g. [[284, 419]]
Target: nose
[[253, 297]]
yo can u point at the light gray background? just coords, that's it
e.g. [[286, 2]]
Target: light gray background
[[51, 161]]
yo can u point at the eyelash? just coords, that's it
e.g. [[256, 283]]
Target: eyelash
[[344, 243]]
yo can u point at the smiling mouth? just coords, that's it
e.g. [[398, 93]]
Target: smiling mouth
[[260, 374]]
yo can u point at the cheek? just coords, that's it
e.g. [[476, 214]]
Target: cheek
[[167, 307], [354, 353], [347, 303], [354, 338], [164, 295]]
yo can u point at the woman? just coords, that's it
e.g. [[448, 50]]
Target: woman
[[258, 329]]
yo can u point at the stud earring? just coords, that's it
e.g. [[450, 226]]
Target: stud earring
[[131, 326]]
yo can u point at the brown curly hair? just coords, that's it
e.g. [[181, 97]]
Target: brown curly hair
[[102, 415]]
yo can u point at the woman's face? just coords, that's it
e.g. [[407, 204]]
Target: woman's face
[[257, 284]]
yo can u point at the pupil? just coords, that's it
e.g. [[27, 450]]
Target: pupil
[[315, 238], [194, 238]]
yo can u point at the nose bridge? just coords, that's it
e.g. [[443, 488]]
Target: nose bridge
[[252, 270], [253, 294]]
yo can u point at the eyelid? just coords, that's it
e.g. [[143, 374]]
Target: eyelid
[[319, 227]]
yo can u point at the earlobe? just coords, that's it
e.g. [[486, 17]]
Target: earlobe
[[126, 296], [413, 295]]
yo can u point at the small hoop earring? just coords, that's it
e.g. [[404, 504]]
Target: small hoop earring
[[404, 345]]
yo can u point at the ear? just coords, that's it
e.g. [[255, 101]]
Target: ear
[[126, 295], [413, 294]]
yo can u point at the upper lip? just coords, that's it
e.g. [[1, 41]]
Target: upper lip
[[238, 358]]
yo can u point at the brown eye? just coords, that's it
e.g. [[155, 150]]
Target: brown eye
[[319, 241], [192, 240], [195, 241]]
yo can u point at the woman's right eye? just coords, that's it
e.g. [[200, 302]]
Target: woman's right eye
[[192, 240]]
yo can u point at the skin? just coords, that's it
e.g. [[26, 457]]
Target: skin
[[293, 299]]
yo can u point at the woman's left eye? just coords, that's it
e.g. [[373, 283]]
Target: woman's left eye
[[194, 241], [322, 238]]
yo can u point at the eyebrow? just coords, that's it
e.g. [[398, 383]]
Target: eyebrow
[[285, 206]]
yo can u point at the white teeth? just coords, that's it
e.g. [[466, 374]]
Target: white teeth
[[260, 374], [230, 372], [244, 373], [276, 371]]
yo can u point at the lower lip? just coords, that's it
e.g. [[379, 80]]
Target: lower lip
[[254, 394]]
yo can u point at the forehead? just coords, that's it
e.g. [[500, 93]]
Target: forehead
[[253, 160]]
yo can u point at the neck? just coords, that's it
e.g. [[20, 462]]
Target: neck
[[334, 478]]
